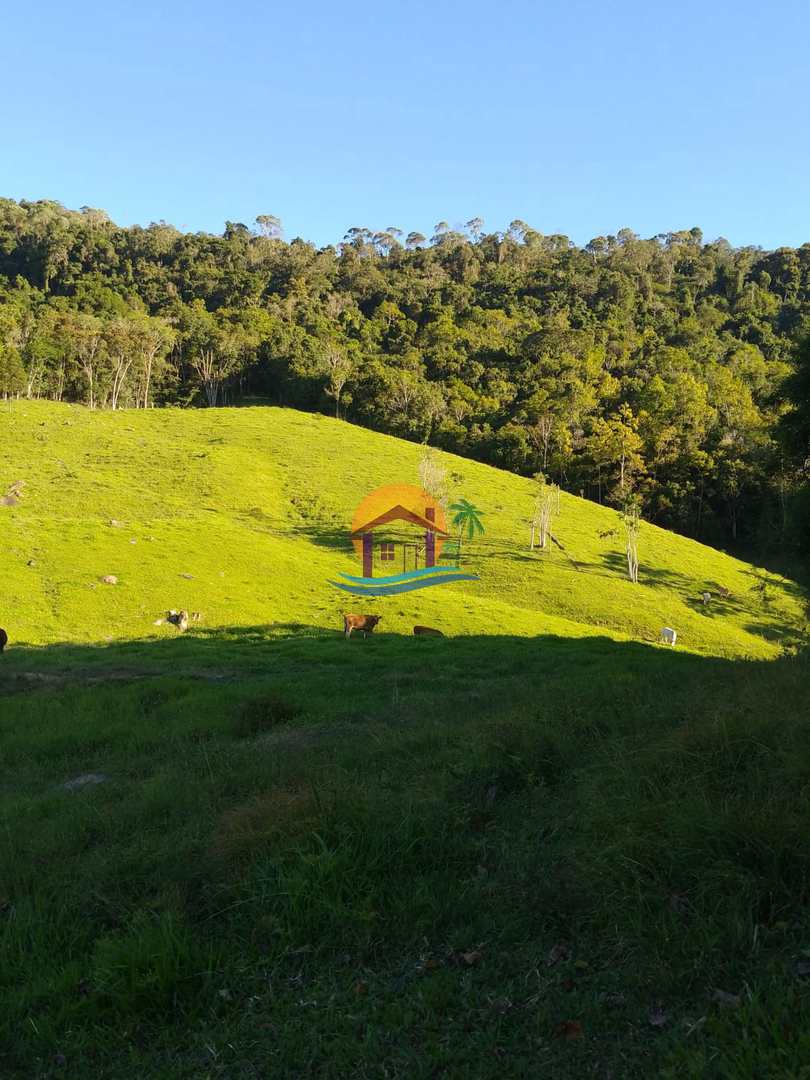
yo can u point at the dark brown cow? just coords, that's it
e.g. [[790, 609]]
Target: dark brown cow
[[427, 630], [366, 623], [3, 640]]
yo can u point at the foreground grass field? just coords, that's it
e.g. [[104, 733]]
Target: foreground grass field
[[275, 853], [537, 847]]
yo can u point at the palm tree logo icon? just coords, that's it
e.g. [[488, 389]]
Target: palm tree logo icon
[[467, 519]]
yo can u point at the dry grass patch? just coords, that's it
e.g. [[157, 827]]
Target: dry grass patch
[[265, 819]]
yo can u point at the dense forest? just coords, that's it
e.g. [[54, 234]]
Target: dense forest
[[650, 370]]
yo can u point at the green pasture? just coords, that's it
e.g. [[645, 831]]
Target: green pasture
[[543, 845]]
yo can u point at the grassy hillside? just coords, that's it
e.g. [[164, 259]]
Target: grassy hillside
[[243, 515], [536, 847]]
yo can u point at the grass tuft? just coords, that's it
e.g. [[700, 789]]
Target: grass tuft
[[262, 714]]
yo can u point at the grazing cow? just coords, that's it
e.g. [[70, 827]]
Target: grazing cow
[[3, 640], [427, 630], [724, 592], [667, 635], [366, 623]]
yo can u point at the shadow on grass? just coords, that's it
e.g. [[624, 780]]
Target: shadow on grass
[[718, 606], [672, 579], [325, 657], [277, 796], [790, 637], [332, 537]]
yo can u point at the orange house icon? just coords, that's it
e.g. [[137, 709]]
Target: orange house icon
[[383, 526]]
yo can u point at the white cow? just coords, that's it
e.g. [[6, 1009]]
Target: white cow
[[667, 635], [707, 597]]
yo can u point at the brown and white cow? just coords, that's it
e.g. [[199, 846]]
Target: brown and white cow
[[366, 623]]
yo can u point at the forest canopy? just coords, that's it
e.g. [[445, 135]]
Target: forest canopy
[[649, 371]]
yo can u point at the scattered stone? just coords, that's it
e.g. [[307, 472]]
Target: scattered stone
[[85, 780], [109, 579], [116, 524], [188, 577]]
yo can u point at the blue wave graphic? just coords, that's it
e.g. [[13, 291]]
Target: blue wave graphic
[[403, 586], [426, 571]]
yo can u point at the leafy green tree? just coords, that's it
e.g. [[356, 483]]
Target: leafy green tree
[[12, 372], [269, 225], [214, 346], [339, 369], [795, 424], [154, 339], [615, 447], [119, 341], [86, 336]]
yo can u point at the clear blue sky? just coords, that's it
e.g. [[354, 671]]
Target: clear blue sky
[[578, 117]]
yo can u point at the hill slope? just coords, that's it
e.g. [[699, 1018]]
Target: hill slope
[[243, 515], [523, 850]]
